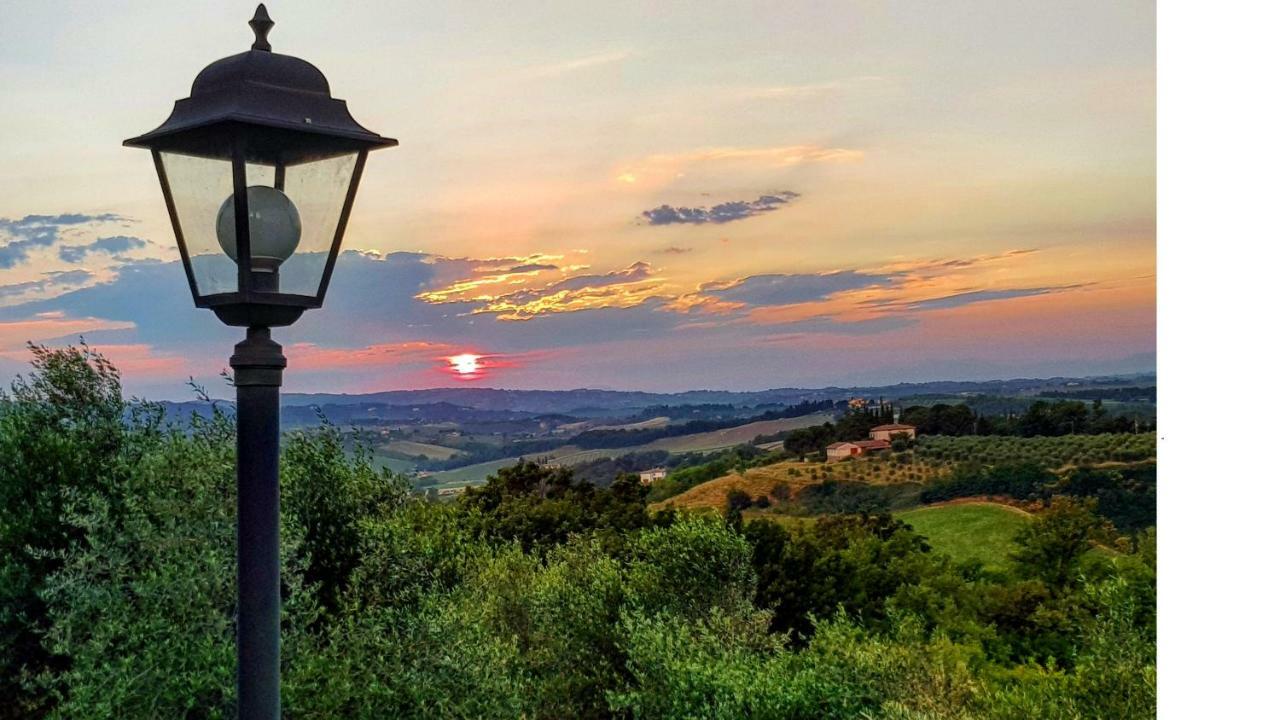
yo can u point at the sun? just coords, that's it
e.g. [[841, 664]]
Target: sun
[[465, 365]]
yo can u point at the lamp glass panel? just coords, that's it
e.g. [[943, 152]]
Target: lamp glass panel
[[198, 187], [318, 190]]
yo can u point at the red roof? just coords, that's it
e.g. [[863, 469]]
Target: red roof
[[893, 426], [864, 444]]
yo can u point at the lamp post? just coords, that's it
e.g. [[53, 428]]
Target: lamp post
[[259, 168]]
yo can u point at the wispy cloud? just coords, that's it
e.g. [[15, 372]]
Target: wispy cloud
[[624, 288], [14, 335], [555, 69], [666, 166], [782, 289], [979, 296], [487, 279], [722, 213]]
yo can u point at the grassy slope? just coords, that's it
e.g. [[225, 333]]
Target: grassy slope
[[970, 531], [410, 449], [737, 435]]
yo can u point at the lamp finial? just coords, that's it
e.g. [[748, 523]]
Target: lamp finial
[[261, 24]]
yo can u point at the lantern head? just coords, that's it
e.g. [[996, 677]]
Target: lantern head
[[259, 168]]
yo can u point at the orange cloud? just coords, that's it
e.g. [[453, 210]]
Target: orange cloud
[[308, 357], [14, 335], [496, 279]]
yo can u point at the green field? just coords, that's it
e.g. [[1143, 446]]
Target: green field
[[970, 531], [410, 449], [394, 464]]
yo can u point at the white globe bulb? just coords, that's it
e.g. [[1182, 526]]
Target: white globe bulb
[[274, 225]]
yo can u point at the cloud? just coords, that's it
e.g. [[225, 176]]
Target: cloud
[[781, 155], [624, 288], [14, 335], [481, 279], [309, 357], [114, 245], [674, 250], [709, 164], [50, 281], [780, 289], [978, 296], [379, 316], [36, 231], [722, 213], [556, 69]]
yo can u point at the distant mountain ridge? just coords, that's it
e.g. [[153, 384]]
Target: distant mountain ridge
[[587, 401]]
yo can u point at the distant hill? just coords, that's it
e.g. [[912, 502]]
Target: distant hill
[[471, 405], [588, 402]]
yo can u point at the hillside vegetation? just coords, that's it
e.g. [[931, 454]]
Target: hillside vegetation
[[1052, 452], [934, 460]]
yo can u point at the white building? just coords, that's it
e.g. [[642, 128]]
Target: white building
[[886, 432], [649, 476]]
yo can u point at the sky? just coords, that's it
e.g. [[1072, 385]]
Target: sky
[[658, 195]]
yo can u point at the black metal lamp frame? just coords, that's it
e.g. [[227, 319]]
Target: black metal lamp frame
[[257, 300]]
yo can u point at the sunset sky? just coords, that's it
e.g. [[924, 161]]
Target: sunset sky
[[656, 196]]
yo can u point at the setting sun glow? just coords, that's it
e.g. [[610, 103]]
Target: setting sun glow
[[465, 365]]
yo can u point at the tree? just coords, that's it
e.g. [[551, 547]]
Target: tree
[[542, 505], [328, 497], [1051, 547], [941, 419], [62, 437], [851, 563]]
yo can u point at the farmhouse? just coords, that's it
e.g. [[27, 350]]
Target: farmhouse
[[649, 476], [886, 432], [842, 450]]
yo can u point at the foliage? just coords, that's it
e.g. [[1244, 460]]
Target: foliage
[[604, 471], [850, 563], [695, 470], [854, 425], [941, 419], [327, 495], [62, 438], [832, 496], [538, 596], [1126, 496], [1052, 547], [539, 505], [1050, 452], [1020, 481]]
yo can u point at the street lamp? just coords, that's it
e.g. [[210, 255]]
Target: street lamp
[[259, 168]]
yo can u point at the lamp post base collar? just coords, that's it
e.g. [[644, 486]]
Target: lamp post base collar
[[258, 360]]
